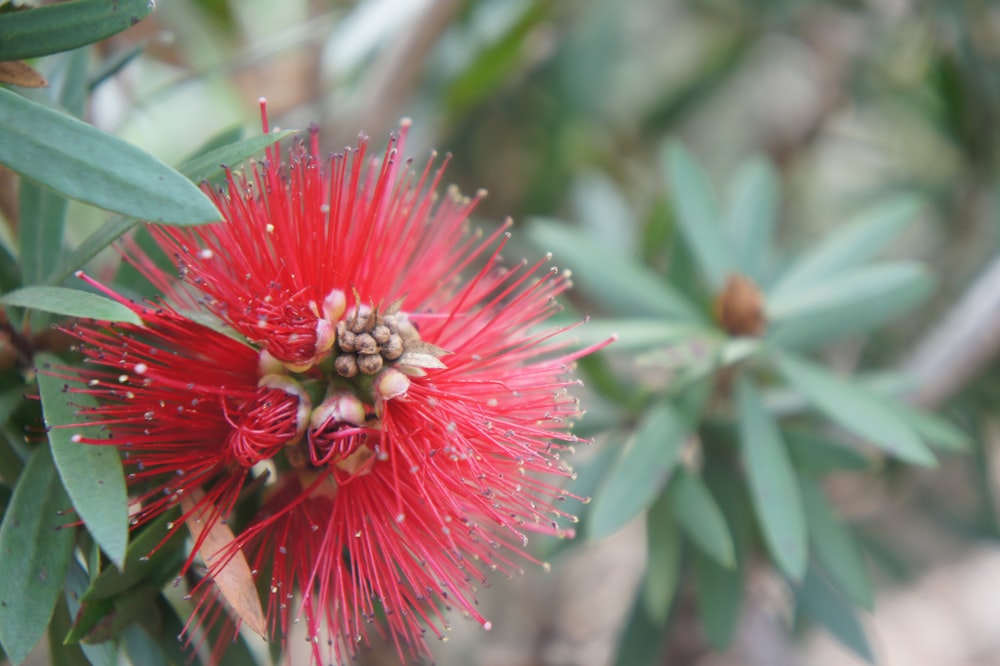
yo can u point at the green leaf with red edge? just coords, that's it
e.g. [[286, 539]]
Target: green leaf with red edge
[[36, 546], [67, 25], [71, 303], [81, 162], [91, 474], [773, 486]]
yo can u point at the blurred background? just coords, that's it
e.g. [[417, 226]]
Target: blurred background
[[561, 109]]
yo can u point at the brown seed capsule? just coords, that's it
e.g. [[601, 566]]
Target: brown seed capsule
[[381, 333], [740, 308], [346, 365], [365, 344], [358, 323], [369, 364], [393, 349], [391, 322], [346, 340]]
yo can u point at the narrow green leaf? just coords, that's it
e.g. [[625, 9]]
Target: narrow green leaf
[[104, 236], [824, 604], [40, 234], [773, 486], [836, 548], [641, 472], [856, 409], [60, 654], [935, 430], [71, 303], [141, 648], [35, 548], [43, 212], [857, 301], [663, 565], [619, 284], [150, 556], [852, 245], [642, 641], [751, 217], [211, 164], [67, 25], [636, 334], [700, 517], [92, 475], [817, 456], [197, 169], [83, 163], [720, 596], [104, 654], [698, 215]]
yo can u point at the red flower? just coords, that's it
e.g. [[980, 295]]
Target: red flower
[[394, 372]]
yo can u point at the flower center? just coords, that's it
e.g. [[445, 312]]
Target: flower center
[[366, 341]]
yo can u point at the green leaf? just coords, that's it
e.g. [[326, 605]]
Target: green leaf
[[852, 245], [773, 486], [83, 163], [141, 648], [151, 555], [102, 654], [104, 236], [720, 590], [197, 168], [700, 517], [836, 548], [210, 165], [71, 303], [817, 456], [824, 604], [697, 213], [59, 653], [641, 643], [641, 472], [720, 595], [856, 409], [663, 565], [492, 66], [40, 234], [92, 475], [857, 301], [935, 430], [36, 545], [619, 284], [67, 25], [636, 334], [751, 217]]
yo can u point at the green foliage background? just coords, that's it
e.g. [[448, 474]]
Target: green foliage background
[[841, 155]]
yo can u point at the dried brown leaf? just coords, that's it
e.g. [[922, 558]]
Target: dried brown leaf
[[234, 580], [20, 73]]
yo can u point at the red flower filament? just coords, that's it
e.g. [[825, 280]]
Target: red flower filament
[[389, 370]]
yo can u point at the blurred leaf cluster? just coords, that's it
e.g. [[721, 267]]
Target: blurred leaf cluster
[[764, 326]]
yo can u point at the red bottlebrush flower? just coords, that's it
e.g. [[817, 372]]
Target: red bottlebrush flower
[[414, 414]]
